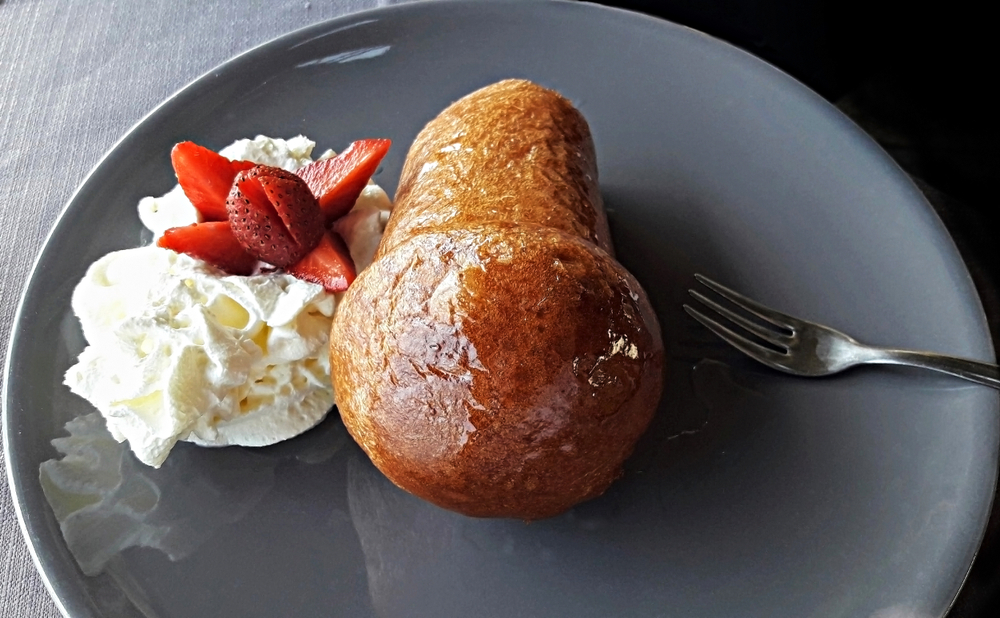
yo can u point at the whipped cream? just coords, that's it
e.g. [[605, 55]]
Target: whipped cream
[[178, 350]]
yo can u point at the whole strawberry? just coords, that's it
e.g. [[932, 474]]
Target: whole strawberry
[[274, 215]]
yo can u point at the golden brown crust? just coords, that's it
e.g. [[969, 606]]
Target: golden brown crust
[[491, 361], [513, 151], [497, 370]]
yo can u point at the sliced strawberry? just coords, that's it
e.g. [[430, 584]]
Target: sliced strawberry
[[338, 182], [212, 242], [295, 204], [274, 215], [329, 264], [206, 177]]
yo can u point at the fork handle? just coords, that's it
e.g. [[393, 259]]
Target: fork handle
[[976, 371]]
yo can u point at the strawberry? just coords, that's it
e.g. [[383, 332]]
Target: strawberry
[[338, 182], [274, 215], [206, 177], [329, 264], [213, 242]]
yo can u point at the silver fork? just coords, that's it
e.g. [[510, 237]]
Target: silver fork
[[808, 349]]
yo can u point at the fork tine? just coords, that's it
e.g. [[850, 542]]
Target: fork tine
[[754, 350], [768, 335], [781, 320]]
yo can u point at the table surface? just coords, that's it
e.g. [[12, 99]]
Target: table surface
[[75, 76]]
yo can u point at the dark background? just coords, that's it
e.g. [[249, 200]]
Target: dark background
[[918, 77]]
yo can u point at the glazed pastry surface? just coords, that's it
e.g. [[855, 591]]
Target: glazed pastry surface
[[495, 359], [514, 152]]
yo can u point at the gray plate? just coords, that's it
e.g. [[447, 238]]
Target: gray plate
[[754, 494]]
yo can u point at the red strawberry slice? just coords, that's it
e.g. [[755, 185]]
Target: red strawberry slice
[[274, 215], [212, 242], [206, 177], [329, 264], [338, 182]]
